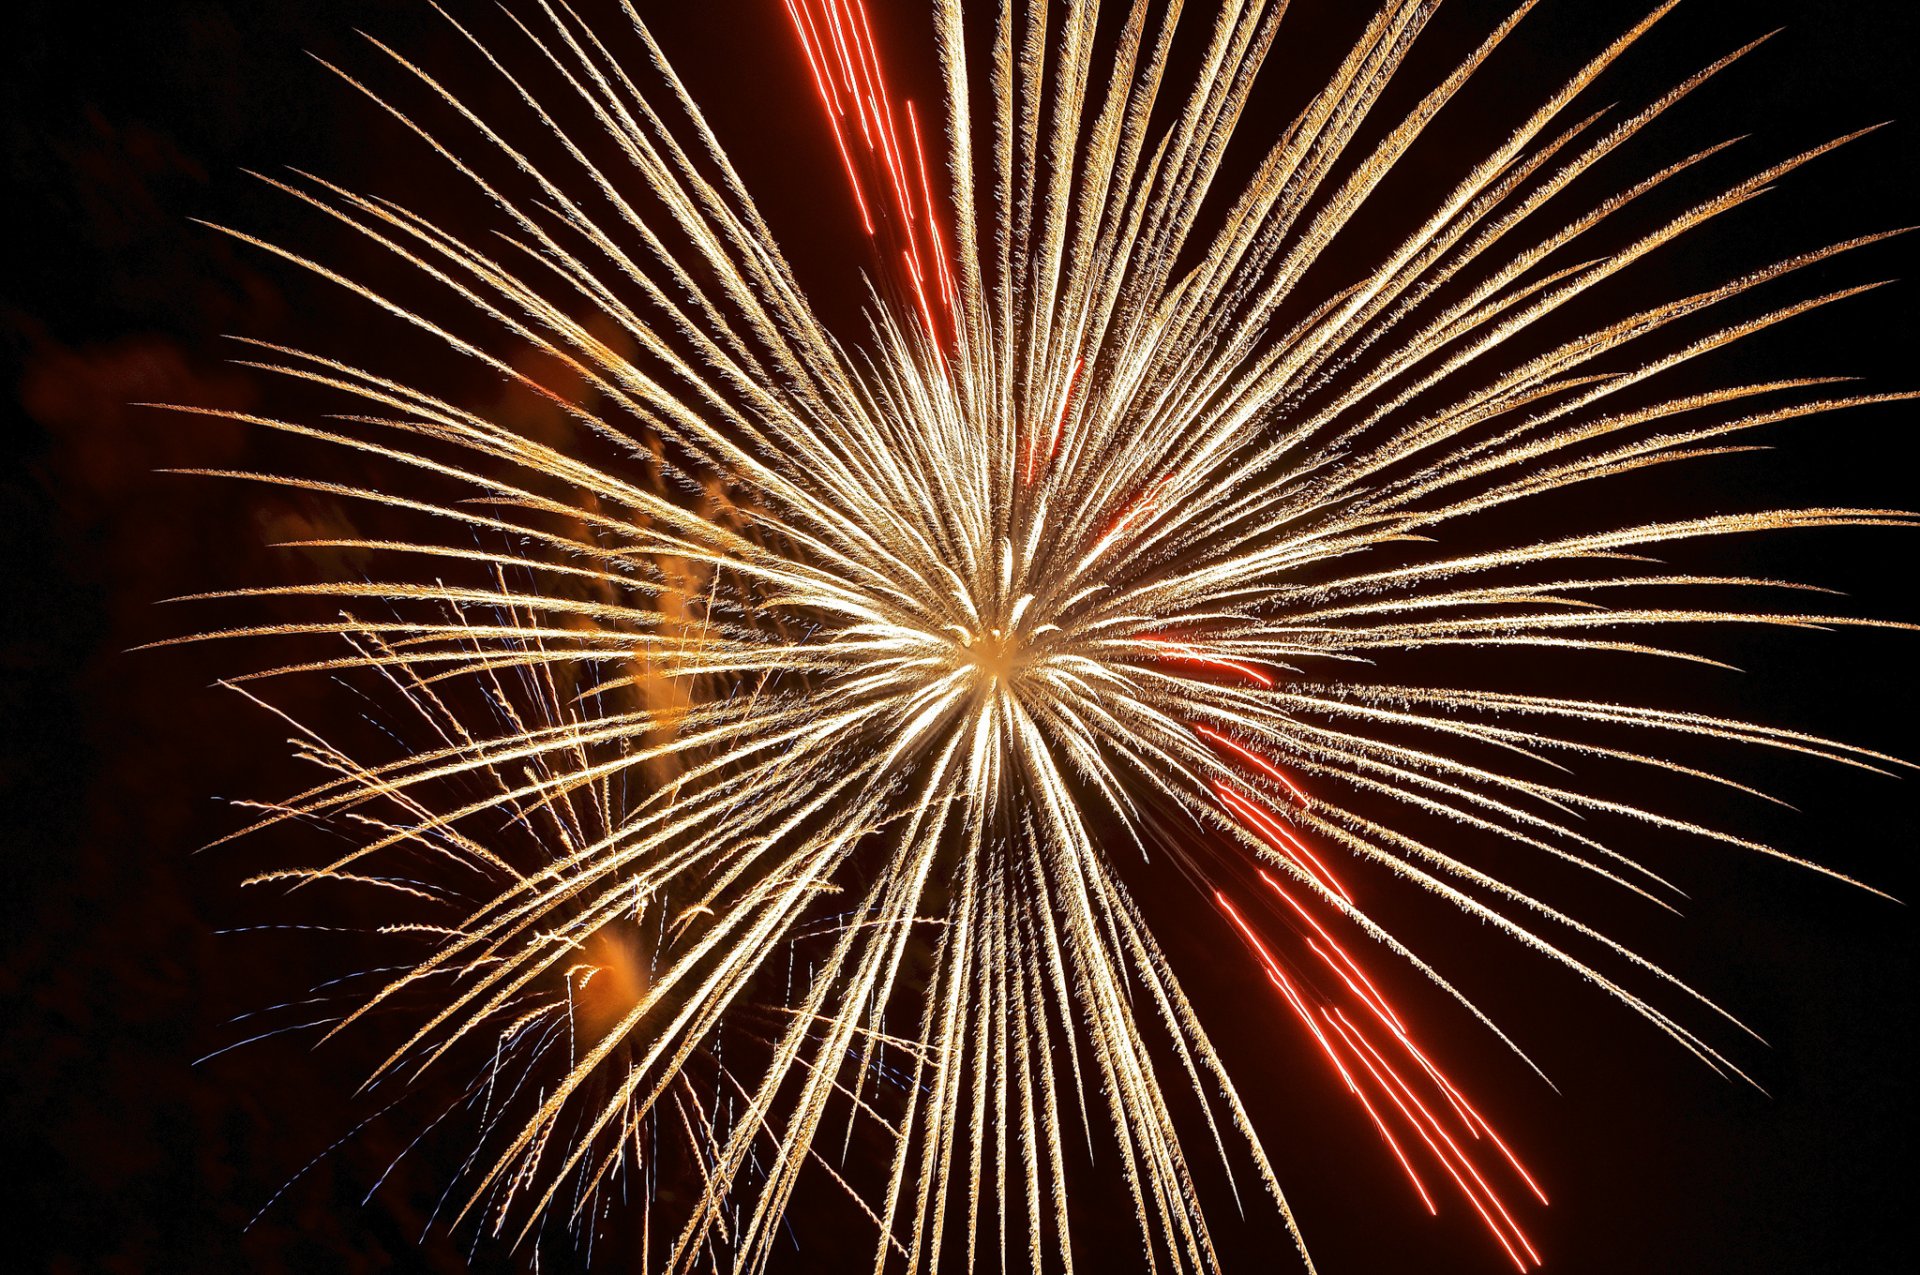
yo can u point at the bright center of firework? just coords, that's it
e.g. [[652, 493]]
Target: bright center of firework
[[996, 654]]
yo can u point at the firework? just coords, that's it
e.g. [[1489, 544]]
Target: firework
[[785, 729]]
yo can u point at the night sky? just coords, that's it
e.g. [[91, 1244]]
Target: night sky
[[122, 126]]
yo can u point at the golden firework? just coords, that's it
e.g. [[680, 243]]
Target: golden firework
[[789, 721]]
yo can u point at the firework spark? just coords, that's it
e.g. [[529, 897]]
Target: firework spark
[[785, 734]]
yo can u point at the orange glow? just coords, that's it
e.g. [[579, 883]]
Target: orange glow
[[609, 979]]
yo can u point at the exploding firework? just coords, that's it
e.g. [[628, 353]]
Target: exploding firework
[[789, 731]]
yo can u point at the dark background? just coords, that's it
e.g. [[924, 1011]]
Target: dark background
[[120, 127]]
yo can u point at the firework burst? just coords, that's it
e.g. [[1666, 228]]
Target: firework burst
[[784, 733]]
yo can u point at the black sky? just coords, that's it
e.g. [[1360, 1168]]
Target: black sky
[[121, 127]]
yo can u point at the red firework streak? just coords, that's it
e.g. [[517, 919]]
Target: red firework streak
[[1411, 1102], [1059, 419], [889, 180]]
